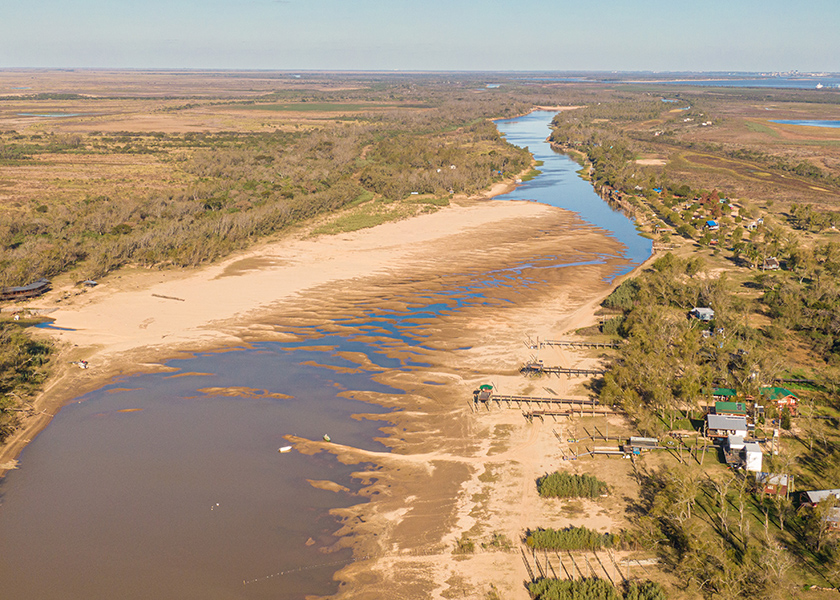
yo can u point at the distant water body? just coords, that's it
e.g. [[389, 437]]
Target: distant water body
[[560, 185], [745, 82], [52, 115], [807, 123], [761, 82]]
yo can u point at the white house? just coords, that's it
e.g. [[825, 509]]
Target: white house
[[722, 426]]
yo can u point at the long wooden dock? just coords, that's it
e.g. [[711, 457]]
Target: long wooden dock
[[575, 344], [542, 414], [539, 400], [537, 368]]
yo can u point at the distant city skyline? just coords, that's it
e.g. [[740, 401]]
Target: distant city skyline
[[494, 35]]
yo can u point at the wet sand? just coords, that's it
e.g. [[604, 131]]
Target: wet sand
[[450, 469]]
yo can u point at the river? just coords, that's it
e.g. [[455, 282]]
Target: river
[[170, 485]]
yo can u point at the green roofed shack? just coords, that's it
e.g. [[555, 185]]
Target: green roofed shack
[[723, 393], [781, 397], [730, 408]]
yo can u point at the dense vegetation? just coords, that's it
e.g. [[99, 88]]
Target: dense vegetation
[[593, 589], [242, 187], [570, 538], [22, 370], [568, 485]]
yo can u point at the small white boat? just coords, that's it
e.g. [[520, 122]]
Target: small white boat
[[285, 449]]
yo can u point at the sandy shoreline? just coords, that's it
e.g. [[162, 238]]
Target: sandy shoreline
[[136, 318], [443, 455]]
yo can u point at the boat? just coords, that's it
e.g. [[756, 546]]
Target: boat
[[327, 437], [285, 449]]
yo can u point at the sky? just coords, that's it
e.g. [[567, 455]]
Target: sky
[[434, 35]]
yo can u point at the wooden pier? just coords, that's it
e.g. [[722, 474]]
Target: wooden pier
[[542, 414], [574, 344], [536, 400], [537, 368]]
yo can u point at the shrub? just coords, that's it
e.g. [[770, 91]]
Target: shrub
[[623, 296], [593, 589], [571, 538], [567, 485], [567, 589]]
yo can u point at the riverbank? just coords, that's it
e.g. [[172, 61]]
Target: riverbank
[[136, 319], [463, 478], [450, 471], [440, 450]]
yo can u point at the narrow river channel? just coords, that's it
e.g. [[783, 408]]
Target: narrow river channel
[[170, 485]]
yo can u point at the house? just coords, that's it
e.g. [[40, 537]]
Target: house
[[702, 313], [832, 517], [25, 291], [774, 484], [752, 456], [723, 394], [781, 397], [731, 408], [771, 263], [722, 426], [712, 225], [814, 497]]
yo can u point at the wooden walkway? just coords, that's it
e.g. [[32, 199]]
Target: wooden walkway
[[537, 368], [539, 401], [542, 414], [573, 344]]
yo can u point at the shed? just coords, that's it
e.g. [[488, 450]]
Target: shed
[[712, 225], [643, 442], [731, 408], [752, 456], [723, 393], [735, 443], [721, 426], [484, 393], [832, 518], [774, 484], [702, 313], [25, 291], [771, 263]]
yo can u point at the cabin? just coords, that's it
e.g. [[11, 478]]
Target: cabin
[[32, 290], [712, 225], [484, 393], [832, 518], [781, 397], [723, 394], [702, 313], [774, 484], [722, 426], [771, 263], [738, 409], [814, 497], [752, 457], [637, 445]]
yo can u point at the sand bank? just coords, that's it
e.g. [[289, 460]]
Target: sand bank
[[137, 318], [451, 471]]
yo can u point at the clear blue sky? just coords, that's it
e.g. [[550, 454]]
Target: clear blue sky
[[712, 35]]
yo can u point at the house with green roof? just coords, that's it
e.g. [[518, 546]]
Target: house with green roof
[[723, 393], [730, 408], [781, 397]]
